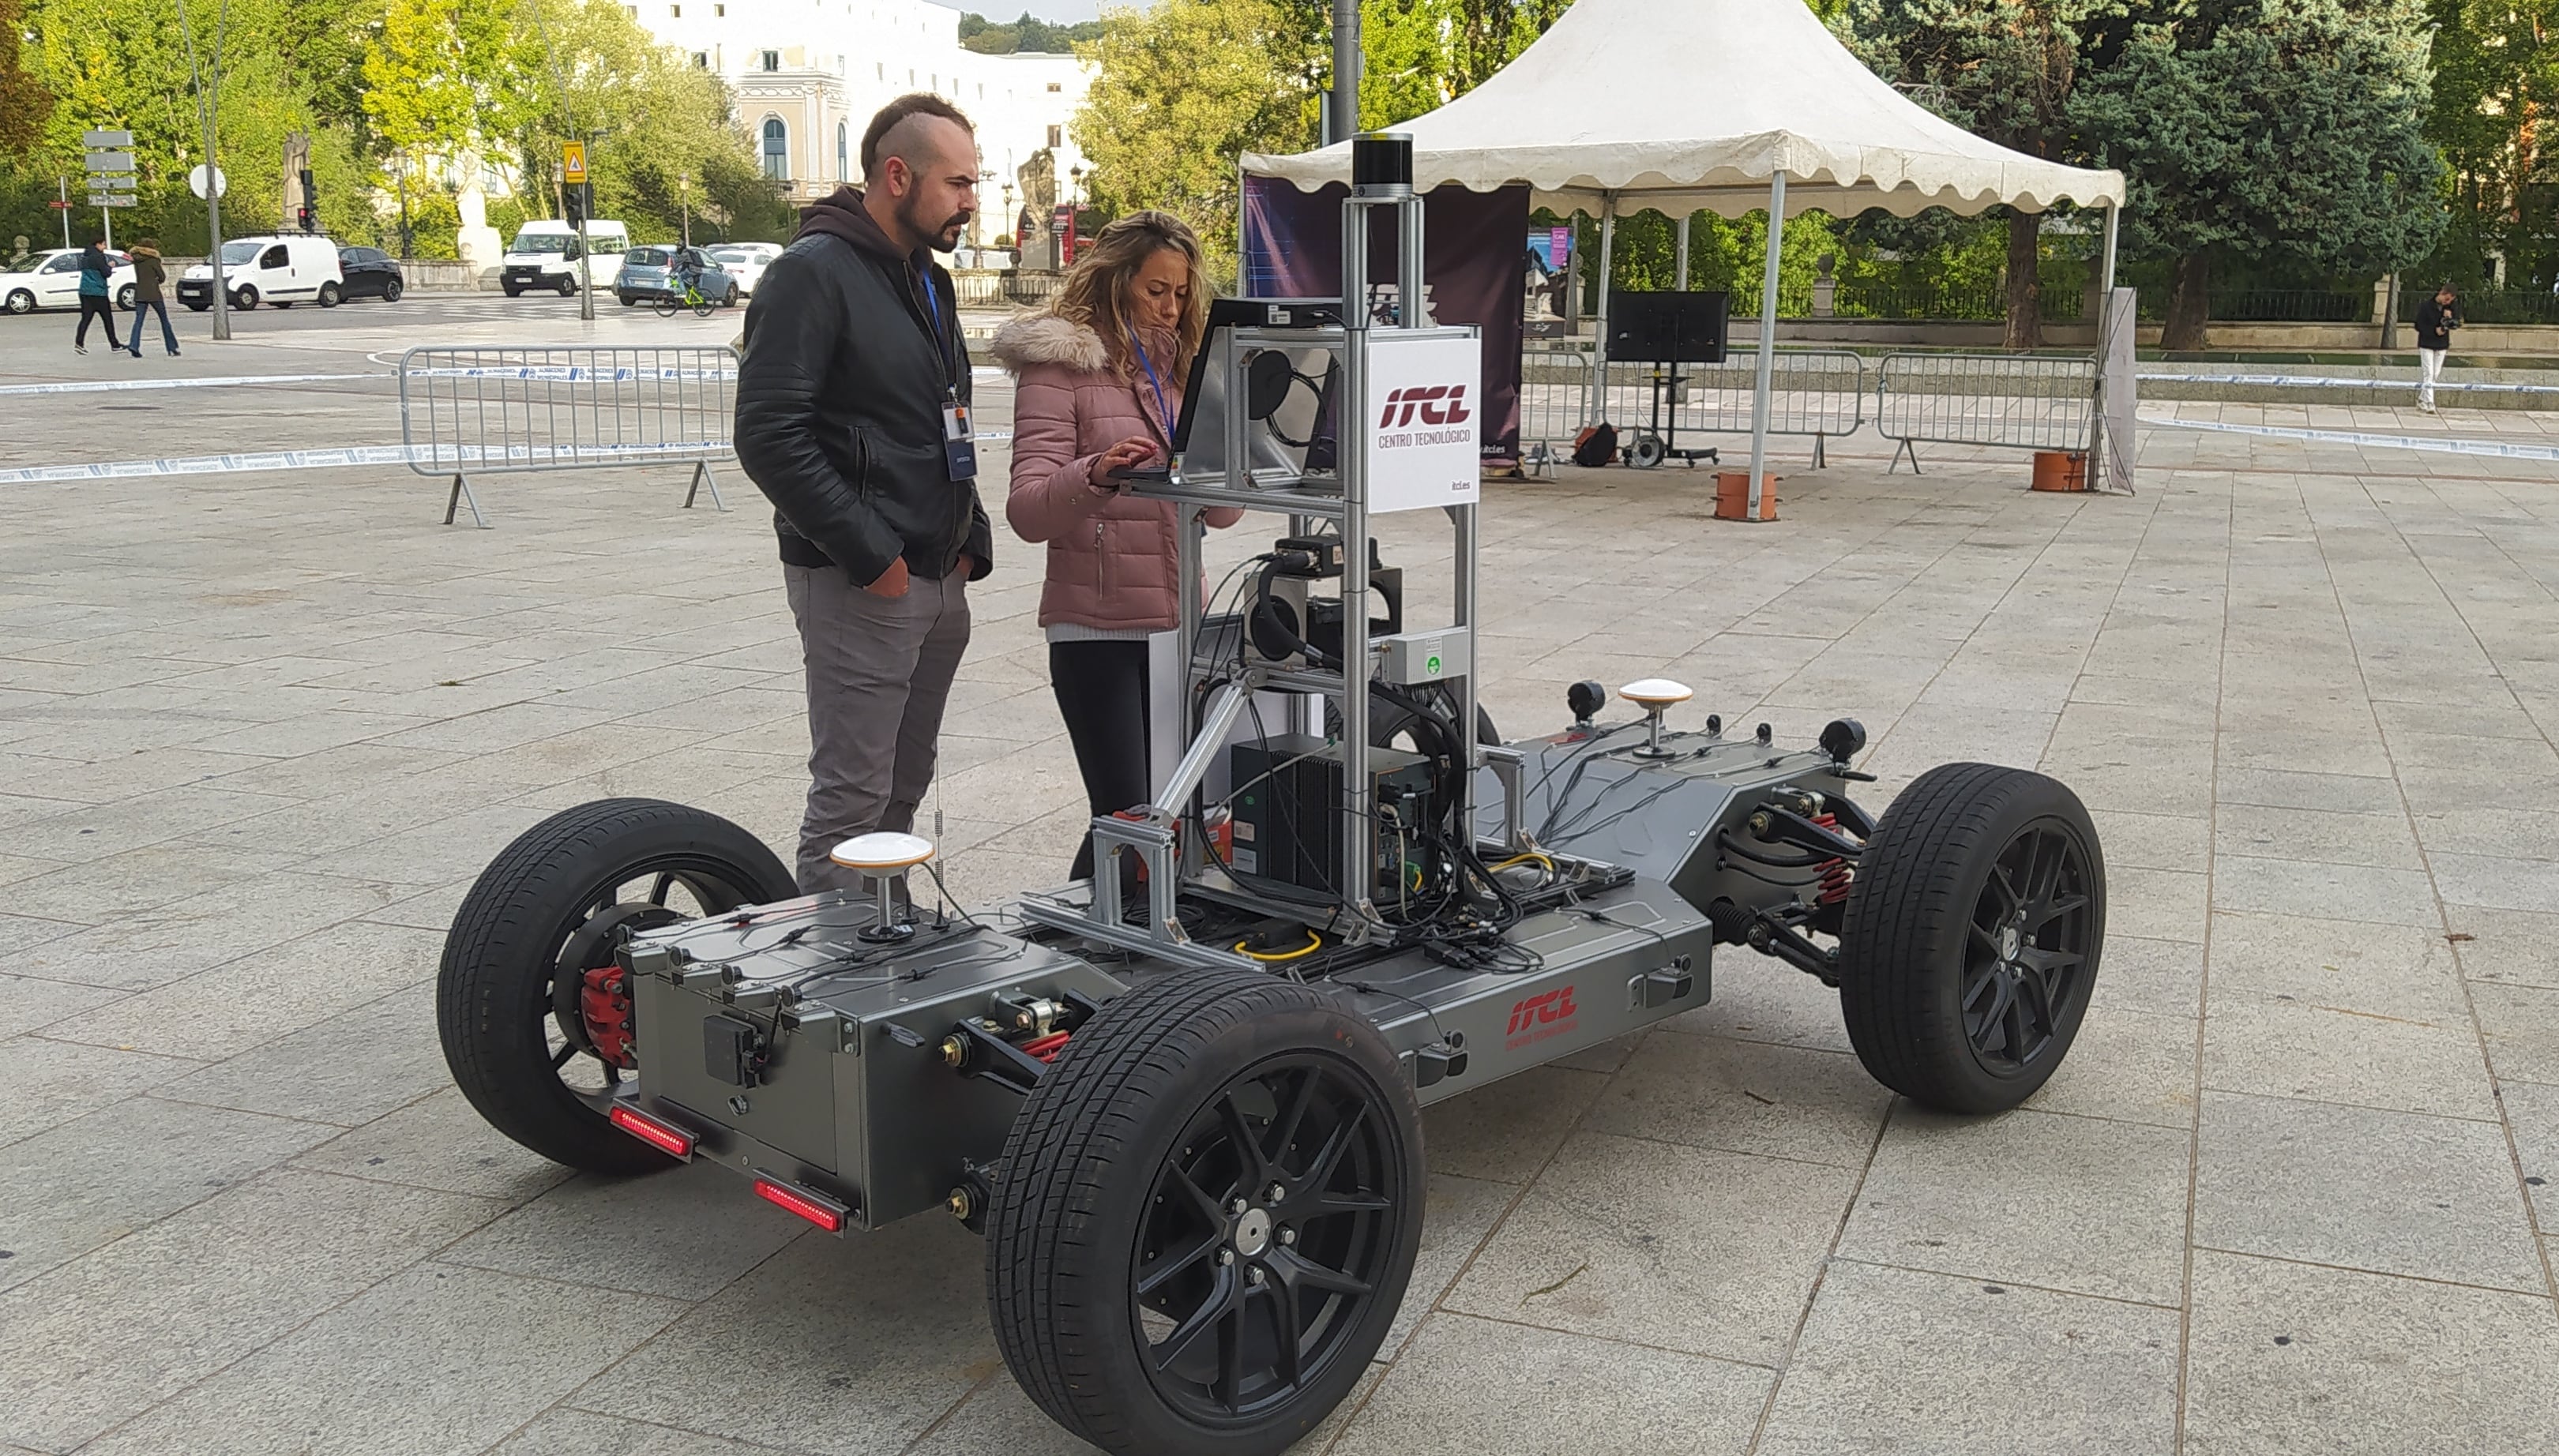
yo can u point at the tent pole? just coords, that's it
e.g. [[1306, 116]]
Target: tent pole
[[1685, 219], [1607, 261], [1767, 336], [2106, 274]]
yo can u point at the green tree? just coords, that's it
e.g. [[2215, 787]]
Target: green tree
[[24, 102], [2286, 127], [2003, 70], [2496, 79], [1180, 91]]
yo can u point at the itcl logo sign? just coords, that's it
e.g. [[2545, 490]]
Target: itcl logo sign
[[1548, 1010], [1435, 405]]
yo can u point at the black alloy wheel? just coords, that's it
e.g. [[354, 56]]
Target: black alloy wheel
[[1970, 945], [1206, 1217], [536, 1024], [2031, 947], [391, 290]]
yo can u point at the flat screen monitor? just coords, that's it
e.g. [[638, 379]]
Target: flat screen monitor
[[1668, 328]]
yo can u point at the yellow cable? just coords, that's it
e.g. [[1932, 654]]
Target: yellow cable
[[1314, 943], [1532, 857]]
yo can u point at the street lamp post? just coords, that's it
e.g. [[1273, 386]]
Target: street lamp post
[[399, 181], [684, 205]]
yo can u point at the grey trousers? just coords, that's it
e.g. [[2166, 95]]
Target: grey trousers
[[879, 675]]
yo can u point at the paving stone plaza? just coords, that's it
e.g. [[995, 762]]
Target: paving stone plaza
[[258, 732]]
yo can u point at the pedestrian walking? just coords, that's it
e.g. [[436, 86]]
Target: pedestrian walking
[[148, 279], [1100, 372], [853, 417], [2437, 318], [96, 268]]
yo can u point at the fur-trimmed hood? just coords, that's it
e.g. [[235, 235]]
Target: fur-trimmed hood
[[1046, 338]]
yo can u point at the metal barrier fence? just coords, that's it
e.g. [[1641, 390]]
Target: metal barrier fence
[[2024, 403], [1818, 394], [482, 410], [1554, 404]]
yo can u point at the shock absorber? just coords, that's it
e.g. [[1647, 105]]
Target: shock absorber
[[1834, 873]]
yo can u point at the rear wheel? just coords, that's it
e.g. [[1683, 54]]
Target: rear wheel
[[1647, 452], [535, 1018], [1206, 1217], [21, 301], [1972, 936]]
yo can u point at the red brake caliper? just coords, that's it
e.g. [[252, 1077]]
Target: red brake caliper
[[605, 1004]]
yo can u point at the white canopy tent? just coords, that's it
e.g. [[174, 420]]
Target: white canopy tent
[[1726, 106]]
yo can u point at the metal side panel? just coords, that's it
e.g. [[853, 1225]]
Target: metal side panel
[[1612, 964]]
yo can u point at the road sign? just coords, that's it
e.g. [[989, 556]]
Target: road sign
[[61, 207], [110, 200], [573, 163], [106, 138], [110, 181], [195, 182], [110, 161]]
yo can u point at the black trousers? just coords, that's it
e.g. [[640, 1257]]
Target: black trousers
[[1101, 691], [105, 310]]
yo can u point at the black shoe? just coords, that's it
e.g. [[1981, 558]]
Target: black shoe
[[79, 348]]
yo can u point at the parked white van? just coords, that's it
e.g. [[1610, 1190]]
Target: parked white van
[[283, 269], [544, 255]]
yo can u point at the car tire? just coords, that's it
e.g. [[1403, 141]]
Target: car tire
[[1972, 936], [1135, 1142], [569, 288], [541, 917], [246, 298], [391, 290], [124, 298], [329, 295], [281, 303], [21, 301], [198, 308]]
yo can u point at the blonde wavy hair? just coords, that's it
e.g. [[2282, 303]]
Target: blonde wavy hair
[[1095, 293]]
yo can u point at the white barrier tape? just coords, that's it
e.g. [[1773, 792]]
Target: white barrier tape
[[2330, 381], [102, 386], [354, 455], [2440, 444], [567, 373]]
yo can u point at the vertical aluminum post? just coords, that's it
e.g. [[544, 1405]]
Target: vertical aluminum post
[[1359, 827], [1186, 568], [1683, 221], [2106, 271], [1767, 337]]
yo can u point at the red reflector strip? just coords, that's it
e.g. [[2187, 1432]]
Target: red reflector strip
[[826, 1213], [665, 1139]]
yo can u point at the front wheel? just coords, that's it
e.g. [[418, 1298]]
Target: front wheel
[[246, 299], [1206, 1215], [512, 290], [1647, 452], [391, 290], [529, 1004], [329, 295], [567, 288], [198, 308], [1973, 928], [666, 305], [21, 301]]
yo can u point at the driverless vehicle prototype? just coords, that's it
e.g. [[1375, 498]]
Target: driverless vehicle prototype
[[1181, 1100]]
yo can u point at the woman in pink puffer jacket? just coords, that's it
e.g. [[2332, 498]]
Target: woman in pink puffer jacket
[[1100, 372]]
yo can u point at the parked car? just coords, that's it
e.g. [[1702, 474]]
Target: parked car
[[371, 273], [648, 272], [546, 255], [746, 261], [283, 269], [51, 280]]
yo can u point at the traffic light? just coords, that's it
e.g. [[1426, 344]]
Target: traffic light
[[305, 220], [309, 216], [573, 206]]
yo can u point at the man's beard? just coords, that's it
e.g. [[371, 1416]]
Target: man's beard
[[944, 238]]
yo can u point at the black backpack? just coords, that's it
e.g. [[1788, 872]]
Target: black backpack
[[1595, 446]]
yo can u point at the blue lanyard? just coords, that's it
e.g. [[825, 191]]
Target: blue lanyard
[[1163, 412], [932, 318]]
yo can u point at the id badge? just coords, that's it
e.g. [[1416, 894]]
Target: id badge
[[959, 442]]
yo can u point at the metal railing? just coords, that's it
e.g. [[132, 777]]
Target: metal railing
[[1554, 404], [1819, 393], [993, 289], [482, 410], [2010, 401], [2483, 306]]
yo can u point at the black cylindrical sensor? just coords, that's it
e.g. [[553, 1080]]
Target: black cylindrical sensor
[[1381, 163]]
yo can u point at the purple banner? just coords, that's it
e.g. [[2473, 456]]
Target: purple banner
[[1476, 275]]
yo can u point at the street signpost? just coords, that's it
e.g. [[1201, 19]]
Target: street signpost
[[202, 177], [111, 174], [573, 175]]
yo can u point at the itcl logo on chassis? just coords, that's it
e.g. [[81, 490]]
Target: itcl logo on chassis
[[1535, 1018]]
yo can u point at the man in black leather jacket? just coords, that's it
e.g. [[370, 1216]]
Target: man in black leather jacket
[[853, 366]]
